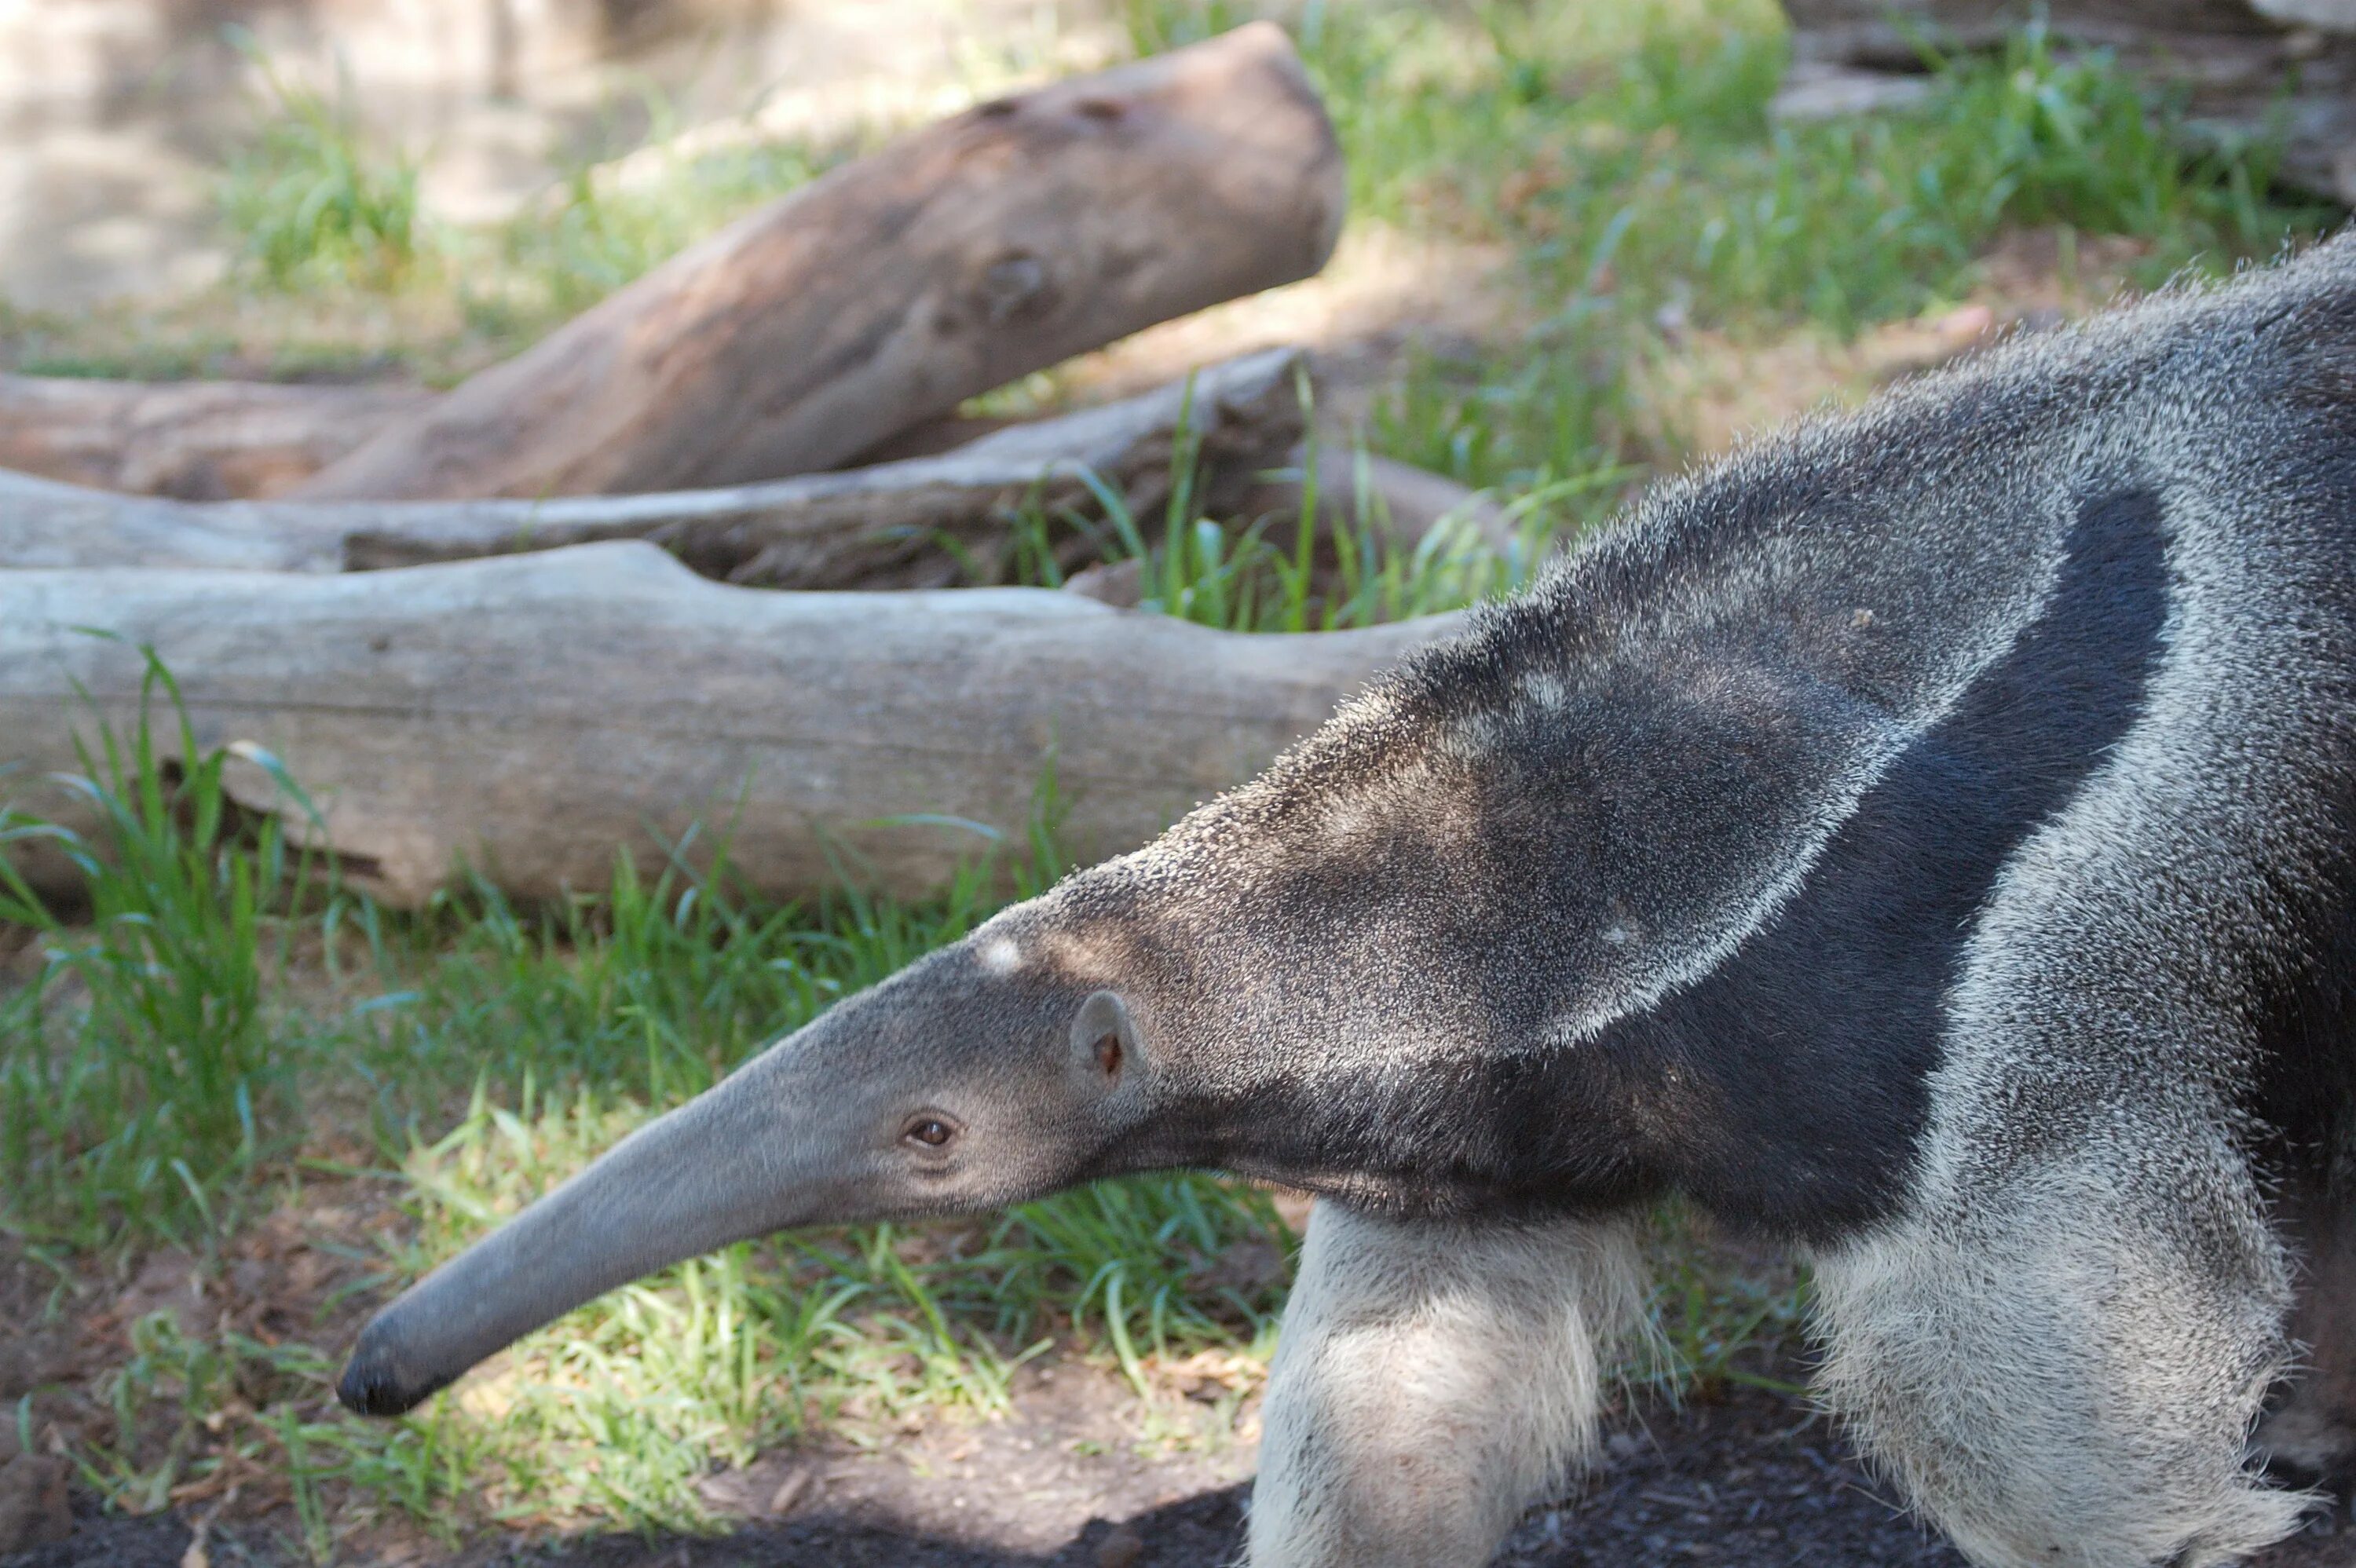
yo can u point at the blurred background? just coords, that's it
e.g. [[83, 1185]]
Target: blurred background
[[1636, 196]]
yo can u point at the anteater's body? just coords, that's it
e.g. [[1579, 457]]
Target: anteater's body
[[1928, 838]]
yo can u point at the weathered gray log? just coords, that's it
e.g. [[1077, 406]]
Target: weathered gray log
[[45, 524], [199, 441], [880, 295], [878, 527], [883, 526], [534, 715], [2248, 66]]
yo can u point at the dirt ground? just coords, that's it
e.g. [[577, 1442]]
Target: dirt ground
[[1751, 1478]]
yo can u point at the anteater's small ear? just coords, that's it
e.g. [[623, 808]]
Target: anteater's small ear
[[1104, 1040]]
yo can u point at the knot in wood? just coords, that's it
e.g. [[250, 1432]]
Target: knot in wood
[[1012, 286]]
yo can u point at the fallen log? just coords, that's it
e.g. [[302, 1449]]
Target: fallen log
[[531, 716], [199, 441], [2261, 69], [46, 525], [879, 296], [217, 441], [880, 526], [886, 527]]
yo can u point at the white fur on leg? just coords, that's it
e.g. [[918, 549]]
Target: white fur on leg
[[1433, 1379], [2058, 1379]]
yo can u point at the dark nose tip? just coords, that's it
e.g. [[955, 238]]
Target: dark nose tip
[[373, 1384], [368, 1391]]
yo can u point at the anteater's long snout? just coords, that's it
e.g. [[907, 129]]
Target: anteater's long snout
[[741, 1160]]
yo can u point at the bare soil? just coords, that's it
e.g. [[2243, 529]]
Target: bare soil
[[1749, 1479], [1078, 1474]]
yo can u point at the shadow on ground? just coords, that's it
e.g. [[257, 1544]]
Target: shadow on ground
[[1753, 1479]]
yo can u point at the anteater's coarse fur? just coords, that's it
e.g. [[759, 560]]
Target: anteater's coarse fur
[[1924, 839]]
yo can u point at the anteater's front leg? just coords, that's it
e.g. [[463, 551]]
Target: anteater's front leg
[[1434, 1379]]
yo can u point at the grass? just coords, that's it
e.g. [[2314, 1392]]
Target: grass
[[1311, 566], [166, 1103], [224, 1035], [138, 1110], [310, 200], [1625, 155]]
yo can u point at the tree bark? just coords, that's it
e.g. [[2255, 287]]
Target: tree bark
[[199, 441], [880, 526], [990, 245], [533, 716], [886, 527]]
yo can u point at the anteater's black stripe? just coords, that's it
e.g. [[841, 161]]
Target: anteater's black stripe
[[1788, 1091]]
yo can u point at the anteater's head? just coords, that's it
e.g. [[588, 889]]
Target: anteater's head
[[1179, 1009]]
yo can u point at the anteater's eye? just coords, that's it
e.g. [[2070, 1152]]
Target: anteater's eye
[[1108, 1055], [930, 1131]]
